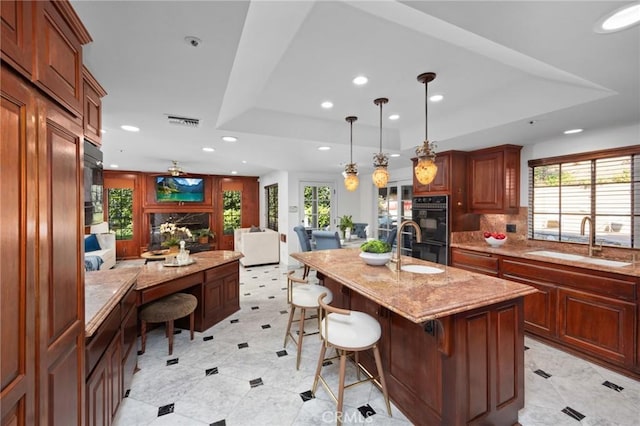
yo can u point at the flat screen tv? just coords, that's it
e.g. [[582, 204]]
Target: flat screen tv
[[172, 189]]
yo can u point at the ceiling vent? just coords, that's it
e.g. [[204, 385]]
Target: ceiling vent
[[183, 121]]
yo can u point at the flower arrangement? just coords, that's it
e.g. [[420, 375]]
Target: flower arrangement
[[172, 235]]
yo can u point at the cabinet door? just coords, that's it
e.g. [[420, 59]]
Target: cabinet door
[[92, 108], [231, 293], [486, 183], [17, 44], [114, 359], [97, 396], [598, 325], [440, 183], [213, 301]]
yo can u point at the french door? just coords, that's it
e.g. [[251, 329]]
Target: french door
[[318, 201]]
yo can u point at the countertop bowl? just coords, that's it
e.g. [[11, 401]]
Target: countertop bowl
[[493, 242], [375, 259]]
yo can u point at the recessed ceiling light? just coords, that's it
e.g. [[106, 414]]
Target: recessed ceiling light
[[394, 155], [360, 80], [208, 149], [394, 117], [244, 161], [229, 139], [234, 172], [572, 131], [327, 105], [436, 98], [103, 131], [324, 148], [113, 166], [129, 128], [620, 19]]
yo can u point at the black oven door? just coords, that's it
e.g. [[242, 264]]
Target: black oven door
[[431, 251]]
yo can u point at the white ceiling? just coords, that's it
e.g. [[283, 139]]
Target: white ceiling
[[263, 68]]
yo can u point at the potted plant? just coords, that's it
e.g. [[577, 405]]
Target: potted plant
[[172, 235], [204, 234], [375, 252], [346, 225]]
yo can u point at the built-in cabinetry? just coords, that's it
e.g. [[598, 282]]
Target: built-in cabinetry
[[42, 315], [472, 357], [110, 361], [587, 311], [494, 180], [451, 180], [92, 112]]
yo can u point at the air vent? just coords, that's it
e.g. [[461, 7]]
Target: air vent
[[183, 121]]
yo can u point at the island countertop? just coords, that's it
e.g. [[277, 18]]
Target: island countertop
[[417, 297], [103, 290], [154, 273]]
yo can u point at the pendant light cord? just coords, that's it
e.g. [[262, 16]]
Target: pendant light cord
[[381, 127], [426, 111], [351, 143]]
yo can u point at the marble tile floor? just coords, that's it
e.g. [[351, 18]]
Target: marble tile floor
[[238, 373]]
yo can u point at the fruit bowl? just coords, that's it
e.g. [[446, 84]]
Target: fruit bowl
[[496, 240]]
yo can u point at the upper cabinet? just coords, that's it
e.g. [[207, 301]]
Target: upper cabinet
[[92, 119], [494, 180], [17, 35]]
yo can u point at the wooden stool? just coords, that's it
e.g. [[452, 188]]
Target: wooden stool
[[166, 310], [348, 331], [301, 294]]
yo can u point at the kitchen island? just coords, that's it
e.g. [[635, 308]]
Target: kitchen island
[[452, 343]]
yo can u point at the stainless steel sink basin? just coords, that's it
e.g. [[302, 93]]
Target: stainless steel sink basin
[[421, 269], [579, 258]]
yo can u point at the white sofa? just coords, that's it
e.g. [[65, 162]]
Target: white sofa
[[258, 248], [107, 242]]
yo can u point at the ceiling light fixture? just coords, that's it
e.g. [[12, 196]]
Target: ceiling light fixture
[[327, 105], [360, 80], [394, 117], [436, 98], [620, 19], [572, 131], [350, 173], [229, 139], [174, 169], [113, 166], [129, 128], [426, 168], [324, 148], [208, 149], [380, 175]]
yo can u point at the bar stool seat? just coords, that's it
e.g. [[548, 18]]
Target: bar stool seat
[[348, 332], [168, 309], [301, 294]]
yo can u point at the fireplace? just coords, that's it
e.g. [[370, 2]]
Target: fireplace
[[192, 221]]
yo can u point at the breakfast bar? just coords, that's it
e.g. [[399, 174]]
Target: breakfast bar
[[452, 343]]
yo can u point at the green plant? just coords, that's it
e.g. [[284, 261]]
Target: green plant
[[376, 246], [204, 232], [346, 223]]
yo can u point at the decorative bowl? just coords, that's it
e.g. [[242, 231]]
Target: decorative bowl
[[375, 259], [494, 242]]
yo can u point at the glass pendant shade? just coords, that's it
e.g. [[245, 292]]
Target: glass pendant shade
[[350, 173], [426, 168], [380, 175]]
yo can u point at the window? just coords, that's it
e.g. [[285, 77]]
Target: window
[[120, 205], [232, 211], [602, 185], [271, 195], [393, 211], [317, 206]]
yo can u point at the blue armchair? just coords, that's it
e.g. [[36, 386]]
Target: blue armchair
[[359, 230], [326, 240], [305, 245]]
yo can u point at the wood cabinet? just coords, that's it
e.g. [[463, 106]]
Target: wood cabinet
[[484, 263], [589, 312], [494, 180], [221, 294], [17, 35], [92, 107]]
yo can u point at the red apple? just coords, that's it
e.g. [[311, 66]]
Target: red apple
[[487, 234]]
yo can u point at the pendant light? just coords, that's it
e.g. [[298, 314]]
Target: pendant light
[[380, 160], [350, 173], [426, 168]]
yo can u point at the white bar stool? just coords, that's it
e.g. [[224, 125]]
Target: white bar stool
[[301, 294], [348, 331]]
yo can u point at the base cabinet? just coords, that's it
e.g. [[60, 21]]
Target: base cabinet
[[484, 263], [104, 386]]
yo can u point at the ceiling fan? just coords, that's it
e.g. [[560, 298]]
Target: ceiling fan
[[175, 170]]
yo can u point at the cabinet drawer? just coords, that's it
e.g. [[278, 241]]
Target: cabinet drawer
[[98, 344], [220, 271], [484, 263]]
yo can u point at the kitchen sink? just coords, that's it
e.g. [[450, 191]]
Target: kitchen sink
[[421, 269], [579, 258]]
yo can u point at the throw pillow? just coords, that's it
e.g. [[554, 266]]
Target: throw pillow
[[91, 243], [255, 229]]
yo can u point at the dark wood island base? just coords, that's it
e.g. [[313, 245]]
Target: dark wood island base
[[452, 344]]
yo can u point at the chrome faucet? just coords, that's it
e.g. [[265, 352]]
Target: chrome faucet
[[592, 234], [399, 234]]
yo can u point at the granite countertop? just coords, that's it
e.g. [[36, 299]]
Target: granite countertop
[[523, 250], [154, 273], [103, 290], [417, 297]]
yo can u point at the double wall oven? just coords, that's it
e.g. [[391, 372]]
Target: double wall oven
[[431, 213]]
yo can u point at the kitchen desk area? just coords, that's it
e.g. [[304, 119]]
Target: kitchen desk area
[[452, 343], [111, 322]]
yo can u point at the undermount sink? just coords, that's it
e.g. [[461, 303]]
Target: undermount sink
[[421, 269], [579, 258]]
